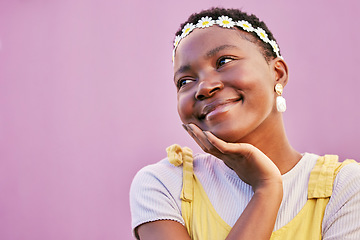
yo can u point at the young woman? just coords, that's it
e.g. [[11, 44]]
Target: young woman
[[250, 184]]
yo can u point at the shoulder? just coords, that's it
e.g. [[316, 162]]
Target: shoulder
[[166, 173], [343, 210], [348, 173], [155, 192], [346, 185], [160, 169], [159, 178], [347, 182]]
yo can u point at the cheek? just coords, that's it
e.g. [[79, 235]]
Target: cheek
[[257, 86], [185, 104], [261, 101], [239, 78]]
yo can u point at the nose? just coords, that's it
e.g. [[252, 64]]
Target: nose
[[208, 87]]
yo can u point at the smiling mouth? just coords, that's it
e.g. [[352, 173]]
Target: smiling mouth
[[217, 107]]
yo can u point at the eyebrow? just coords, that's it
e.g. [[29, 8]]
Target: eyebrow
[[214, 51], [209, 54], [182, 69]]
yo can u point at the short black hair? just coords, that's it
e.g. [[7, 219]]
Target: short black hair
[[237, 15]]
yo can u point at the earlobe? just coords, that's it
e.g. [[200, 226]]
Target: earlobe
[[281, 71], [280, 80], [280, 101]]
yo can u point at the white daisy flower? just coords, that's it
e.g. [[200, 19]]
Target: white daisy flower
[[262, 34], [275, 47], [177, 40], [245, 25], [205, 22], [187, 29], [173, 56], [225, 21]]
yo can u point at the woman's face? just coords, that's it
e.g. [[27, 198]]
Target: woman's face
[[224, 84]]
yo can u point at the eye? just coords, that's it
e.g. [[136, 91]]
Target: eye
[[183, 82], [223, 60]]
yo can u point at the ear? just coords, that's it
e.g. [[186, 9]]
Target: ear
[[280, 68]]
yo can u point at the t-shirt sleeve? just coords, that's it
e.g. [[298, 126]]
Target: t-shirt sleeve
[[155, 195], [342, 214]]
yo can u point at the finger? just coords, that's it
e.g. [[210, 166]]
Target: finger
[[203, 139], [192, 134], [215, 141], [225, 147], [198, 136]]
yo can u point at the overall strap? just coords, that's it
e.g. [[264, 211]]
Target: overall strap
[[201, 220], [323, 175], [178, 156], [307, 224]]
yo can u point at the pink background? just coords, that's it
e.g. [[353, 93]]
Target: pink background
[[87, 99]]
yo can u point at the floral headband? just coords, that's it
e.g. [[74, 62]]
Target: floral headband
[[225, 22]]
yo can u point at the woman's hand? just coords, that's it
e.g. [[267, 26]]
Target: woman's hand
[[249, 163], [255, 168]]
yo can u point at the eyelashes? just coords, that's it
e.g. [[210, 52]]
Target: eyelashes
[[220, 62], [183, 82], [223, 60]]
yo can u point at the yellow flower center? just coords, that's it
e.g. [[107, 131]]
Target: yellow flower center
[[245, 25], [187, 30], [226, 22], [262, 34], [205, 23]]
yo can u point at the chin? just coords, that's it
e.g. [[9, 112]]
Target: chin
[[228, 135]]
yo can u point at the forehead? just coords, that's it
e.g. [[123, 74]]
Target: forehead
[[203, 43]]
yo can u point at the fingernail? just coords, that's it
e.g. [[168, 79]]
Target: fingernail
[[189, 127]]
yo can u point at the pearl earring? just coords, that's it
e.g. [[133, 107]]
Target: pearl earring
[[280, 100]]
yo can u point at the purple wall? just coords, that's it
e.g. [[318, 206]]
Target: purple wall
[[87, 99]]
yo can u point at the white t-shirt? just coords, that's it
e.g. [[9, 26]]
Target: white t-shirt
[[155, 194]]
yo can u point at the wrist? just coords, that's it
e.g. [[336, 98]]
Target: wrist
[[270, 189]]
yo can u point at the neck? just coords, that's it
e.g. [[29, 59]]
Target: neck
[[272, 141]]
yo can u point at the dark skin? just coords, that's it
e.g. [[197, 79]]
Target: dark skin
[[226, 100]]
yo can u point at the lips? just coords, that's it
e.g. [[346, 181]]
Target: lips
[[217, 106]]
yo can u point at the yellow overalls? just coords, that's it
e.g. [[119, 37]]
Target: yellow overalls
[[204, 223]]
